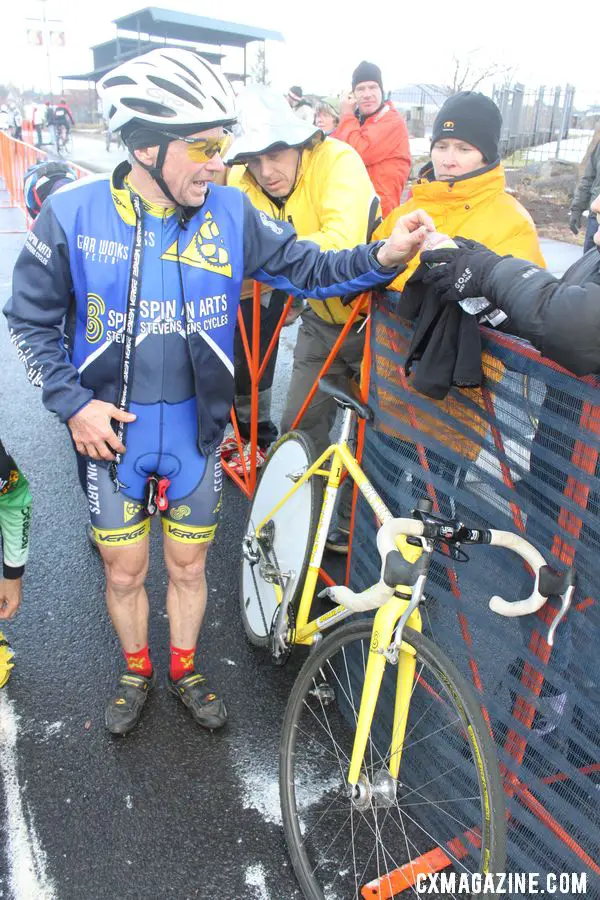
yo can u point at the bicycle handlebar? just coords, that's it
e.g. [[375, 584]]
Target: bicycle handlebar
[[388, 533], [526, 551]]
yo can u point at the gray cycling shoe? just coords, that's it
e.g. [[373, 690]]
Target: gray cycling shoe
[[205, 707], [125, 708]]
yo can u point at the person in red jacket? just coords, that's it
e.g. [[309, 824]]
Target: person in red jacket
[[378, 132]]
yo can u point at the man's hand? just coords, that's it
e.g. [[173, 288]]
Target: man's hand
[[459, 273], [406, 239], [348, 104], [10, 596], [575, 216], [92, 431]]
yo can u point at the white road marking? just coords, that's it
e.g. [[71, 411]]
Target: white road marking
[[27, 876], [255, 878]]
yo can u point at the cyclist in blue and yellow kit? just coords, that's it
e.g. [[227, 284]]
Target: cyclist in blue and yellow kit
[[123, 310]]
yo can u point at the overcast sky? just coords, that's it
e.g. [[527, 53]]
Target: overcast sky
[[411, 42]]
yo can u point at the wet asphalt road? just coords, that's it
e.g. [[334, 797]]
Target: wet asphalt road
[[170, 810]]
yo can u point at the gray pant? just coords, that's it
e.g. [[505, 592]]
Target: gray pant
[[315, 340]]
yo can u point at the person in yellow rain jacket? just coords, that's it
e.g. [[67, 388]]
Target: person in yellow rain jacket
[[463, 186], [291, 171], [463, 190]]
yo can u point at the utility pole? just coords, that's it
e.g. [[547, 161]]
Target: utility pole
[[46, 40]]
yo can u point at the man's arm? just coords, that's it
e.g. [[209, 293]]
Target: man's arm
[[274, 255], [15, 513], [583, 192], [561, 320], [36, 314], [559, 317], [15, 517]]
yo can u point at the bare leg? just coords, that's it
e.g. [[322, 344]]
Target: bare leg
[[126, 598], [186, 594]]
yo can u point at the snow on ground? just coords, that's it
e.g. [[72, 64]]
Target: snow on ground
[[571, 150]]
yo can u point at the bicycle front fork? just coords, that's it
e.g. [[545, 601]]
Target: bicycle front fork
[[381, 642]]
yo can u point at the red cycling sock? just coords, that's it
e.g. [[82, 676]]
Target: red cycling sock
[[139, 662], [182, 662]]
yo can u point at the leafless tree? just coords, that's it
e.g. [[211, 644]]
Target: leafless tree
[[469, 72], [259, 70]]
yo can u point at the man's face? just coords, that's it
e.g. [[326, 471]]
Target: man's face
[[452, 158], [595, 207], [275, 172], [368, 97], [187, 179]]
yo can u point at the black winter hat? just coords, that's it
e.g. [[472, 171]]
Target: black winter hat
[[367, 71], [472, 117]]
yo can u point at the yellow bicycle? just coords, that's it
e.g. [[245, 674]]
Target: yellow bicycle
[[387, 768]]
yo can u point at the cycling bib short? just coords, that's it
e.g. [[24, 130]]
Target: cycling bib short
[[163, 439]]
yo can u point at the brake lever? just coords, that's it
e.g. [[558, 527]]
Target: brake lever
[[565, 603]]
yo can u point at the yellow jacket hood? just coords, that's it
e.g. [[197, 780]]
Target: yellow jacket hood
[[478, 208]]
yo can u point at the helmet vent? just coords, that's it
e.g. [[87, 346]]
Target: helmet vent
[[190, 72], [117, 80], [148, 107], [175, 89]]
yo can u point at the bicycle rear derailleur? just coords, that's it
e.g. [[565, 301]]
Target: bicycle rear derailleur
[[281, 638]]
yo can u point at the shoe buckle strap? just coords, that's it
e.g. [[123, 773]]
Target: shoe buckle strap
[[135, 681], [191, 680]]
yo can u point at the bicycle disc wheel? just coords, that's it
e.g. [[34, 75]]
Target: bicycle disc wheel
[[448, 797], [293, 531]]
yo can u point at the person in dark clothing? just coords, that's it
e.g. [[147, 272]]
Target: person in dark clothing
[[560, 317], [587, 188], [15, 517]]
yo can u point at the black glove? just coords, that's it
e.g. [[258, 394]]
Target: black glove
[[575, 216], [461, 273]]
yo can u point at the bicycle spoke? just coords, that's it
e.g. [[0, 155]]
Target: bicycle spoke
[[385, 827]]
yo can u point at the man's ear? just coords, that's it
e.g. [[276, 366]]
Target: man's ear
[[147, 156]]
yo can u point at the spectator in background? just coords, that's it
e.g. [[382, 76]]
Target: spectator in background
[[377, 130], [299, 104], [39, 120], [16, 122], [63, 115], [462, 188], [586, 191], [327, 114], [49, 122], [289, 171], [4, 118]]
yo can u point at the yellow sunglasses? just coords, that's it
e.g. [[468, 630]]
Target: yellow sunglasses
[[203, 149]]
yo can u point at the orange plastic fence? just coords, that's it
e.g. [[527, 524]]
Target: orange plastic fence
[[15, 158], [256, 366]]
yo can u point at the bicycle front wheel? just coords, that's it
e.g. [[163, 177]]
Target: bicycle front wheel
[[290, 537], [448, 797]]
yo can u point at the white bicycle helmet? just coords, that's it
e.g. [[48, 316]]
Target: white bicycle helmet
[[164, 93], [169, 88]]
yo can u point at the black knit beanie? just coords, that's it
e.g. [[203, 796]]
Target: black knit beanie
[[472, 117], [367, 71]]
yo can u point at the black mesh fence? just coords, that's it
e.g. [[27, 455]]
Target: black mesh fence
[[521, 454]]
